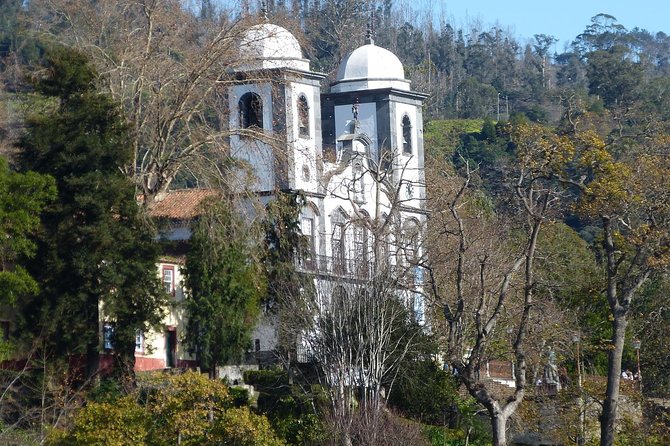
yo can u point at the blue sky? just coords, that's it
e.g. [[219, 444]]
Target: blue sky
[[563, 19]]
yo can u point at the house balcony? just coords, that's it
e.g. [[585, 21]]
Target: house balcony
[[356, 269], [344, 268]]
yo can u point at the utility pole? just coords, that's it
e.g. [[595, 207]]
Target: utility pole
[[580, 401], [498, 119]]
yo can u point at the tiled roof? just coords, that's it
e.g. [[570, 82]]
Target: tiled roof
[[181, 204]]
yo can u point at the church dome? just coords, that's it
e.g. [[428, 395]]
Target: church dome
[[370, 67], [270, 46]]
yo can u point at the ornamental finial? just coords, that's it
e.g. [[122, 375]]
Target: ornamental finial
[[370, 34], [264, 11]]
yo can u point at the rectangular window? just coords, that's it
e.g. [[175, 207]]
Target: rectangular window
[[139, 341], [309, 250], [168, 279], [338, 242], [108, 336]]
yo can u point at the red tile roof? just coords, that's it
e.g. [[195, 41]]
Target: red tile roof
[[181, 204]]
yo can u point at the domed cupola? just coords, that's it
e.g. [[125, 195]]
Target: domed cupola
[[267, 46], [370, 67]]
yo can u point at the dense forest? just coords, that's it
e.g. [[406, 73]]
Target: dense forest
[[547, 246]]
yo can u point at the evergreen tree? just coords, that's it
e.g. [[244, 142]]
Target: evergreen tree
[[225, 282], [94, 252], [22, 197]]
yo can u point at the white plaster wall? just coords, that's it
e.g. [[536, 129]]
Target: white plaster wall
[[154, 341], [305, 153], [409, 164], [266, 332]]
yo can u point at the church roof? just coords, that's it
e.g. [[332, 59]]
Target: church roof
[[370, 67], [183, 204], [270, 46]]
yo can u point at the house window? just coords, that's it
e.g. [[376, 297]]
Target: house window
[[406, 135], [168, 279], [411, 241], [139, 341], [303, 117], [339, 247], [251, 111], [309, 250], [361, 252], [108, 336]]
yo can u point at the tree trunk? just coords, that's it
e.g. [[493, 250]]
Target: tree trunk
[[499, 428], [92, 360], [124, 367], [92, 316], [608, 416]]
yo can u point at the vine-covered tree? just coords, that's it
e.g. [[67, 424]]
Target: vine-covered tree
[[225, 282]]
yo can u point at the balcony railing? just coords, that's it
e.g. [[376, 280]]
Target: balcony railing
[[358, 269], [409, 277]]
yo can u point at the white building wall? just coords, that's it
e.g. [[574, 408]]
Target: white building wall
[[410, 165], [153, 353], [303, 169]]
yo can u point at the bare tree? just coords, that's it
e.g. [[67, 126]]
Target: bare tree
[[169, 70], [483, 273], [353, 317]]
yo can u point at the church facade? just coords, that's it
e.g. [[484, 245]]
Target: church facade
[[355, 152]]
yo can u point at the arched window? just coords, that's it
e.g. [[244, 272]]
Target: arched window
[[308, 229], [339, 247], [411, 242], [411, 234], [406, 135], [303, 117], [251, 111], [338, 241]]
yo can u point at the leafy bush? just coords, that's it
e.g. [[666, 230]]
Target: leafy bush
[[290, 409], [425, 392], [186, 409]]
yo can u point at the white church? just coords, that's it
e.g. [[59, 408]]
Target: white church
[[355, 152]]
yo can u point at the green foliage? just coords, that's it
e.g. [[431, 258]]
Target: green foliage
[[651, 316], [16, 45], [94, 247], [240, 427], [441, 436], [186, 409], [425, 392], [441, 137], [290, 408], [239, 396], [613, 76], [117, 423], [225, 279], [22, 198], [485, 147]]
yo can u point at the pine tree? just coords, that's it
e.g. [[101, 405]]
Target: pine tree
[[94, 252]]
